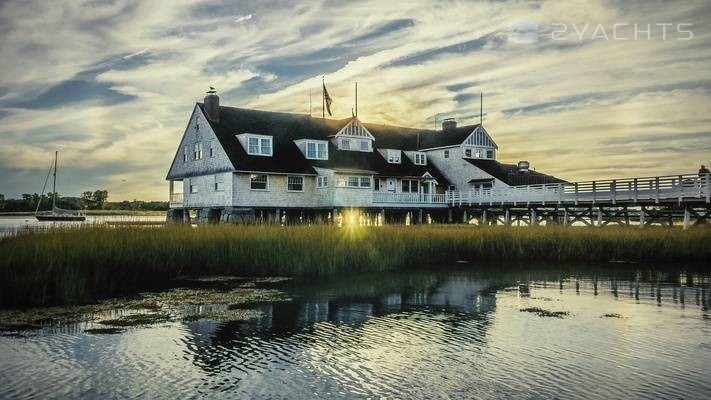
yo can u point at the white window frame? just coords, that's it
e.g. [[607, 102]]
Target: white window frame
[[409, 185], [394, 156], [355, 182], [468, 153], [322, 181], [451, 188], [345, 144], [446, 154], [290, 177], [185, 154], [193, 187], [320, 150], [219, 183], [364, 145], [212, 148], [266, 187], [197, 151], [420, 158], [261, 140]]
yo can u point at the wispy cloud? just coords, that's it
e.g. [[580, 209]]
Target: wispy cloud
[[112, 84]]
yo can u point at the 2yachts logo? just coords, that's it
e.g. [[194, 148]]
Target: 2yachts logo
[[527, 31]]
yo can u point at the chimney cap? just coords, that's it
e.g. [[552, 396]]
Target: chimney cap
[[449, 123], [212, 90]]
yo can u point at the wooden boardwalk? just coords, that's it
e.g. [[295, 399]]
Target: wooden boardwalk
[[662, 200]]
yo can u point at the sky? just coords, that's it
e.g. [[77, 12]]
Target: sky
[[604, 89]]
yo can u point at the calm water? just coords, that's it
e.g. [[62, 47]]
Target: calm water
[[12, 225], [443, 334]]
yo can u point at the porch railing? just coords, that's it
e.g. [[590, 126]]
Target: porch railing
[[409, 198], [176, 198]]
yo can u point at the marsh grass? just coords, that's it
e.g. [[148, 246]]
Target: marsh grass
[[80, 265]]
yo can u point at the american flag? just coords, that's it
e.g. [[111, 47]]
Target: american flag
[[327, 100]]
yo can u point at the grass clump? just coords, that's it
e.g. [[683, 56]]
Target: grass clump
[[137, 319], [545, 313], [80, 265]]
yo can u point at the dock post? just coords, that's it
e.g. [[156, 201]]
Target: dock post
[[483, 217], [449, 215], [507, 217], [565, 216], [464, 217], [641, 217], [534, 218], [599, 216], [419, 216], [687, 217], [382, 216]]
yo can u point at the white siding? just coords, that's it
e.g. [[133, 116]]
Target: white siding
[[456, 169]]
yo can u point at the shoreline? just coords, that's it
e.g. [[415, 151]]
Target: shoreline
[[79, 265]]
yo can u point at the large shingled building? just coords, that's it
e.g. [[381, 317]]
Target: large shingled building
[[242, 165]]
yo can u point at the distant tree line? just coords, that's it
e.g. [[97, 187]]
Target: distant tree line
[[96, 200]]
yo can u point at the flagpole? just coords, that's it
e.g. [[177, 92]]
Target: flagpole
[[356, 99], [309, 102], [323, 97], [481, 109]]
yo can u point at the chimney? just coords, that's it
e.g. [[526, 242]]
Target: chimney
[[212, 105], [449, 123], [523, 167]]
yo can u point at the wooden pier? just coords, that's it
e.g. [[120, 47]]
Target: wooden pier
[[663, 200]]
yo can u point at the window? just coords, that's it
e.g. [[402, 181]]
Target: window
[[365, 181], [468, 153], [490, 154], [341, 182], [394, 156], [185, 155], [197, 151], [346, 144], [295, 183], [420, 158], [259, 146], [322, 181], [409, 186], [212, 148], [451, 188], [219, 183], [193, 187], [364, 145], [446, 154], [258, 182], [478, 153], [316, 151], [353, 181]]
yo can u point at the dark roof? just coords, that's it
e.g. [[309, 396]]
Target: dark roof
[[286, 127], [508, 173]]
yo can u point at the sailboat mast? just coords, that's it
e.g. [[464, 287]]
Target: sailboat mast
[[54, 181]]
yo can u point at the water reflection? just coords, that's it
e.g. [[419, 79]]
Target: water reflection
[[631, 332]]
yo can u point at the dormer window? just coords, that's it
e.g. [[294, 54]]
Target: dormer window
[[345, 144], [394, 156], [468, 153], [317, 150], [420, 159], [364, 145], [197, 151], [259, 145]]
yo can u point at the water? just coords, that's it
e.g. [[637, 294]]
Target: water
[[444, 333], [17, 224]]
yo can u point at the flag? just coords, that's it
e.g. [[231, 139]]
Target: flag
[[327, 100]]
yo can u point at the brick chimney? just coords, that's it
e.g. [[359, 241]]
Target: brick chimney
[[449, 123], [212, 105]]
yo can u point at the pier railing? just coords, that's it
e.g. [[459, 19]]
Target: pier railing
[[409, 198], [658, 189]]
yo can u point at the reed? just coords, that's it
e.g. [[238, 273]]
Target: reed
[[79, 265]]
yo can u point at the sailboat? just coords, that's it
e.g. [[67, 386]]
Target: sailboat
[[58, 214]]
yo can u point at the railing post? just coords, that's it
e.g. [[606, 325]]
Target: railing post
[[613, 191], [576, 193], [681, 189], [635, 191], [594, 192], [656, 192]]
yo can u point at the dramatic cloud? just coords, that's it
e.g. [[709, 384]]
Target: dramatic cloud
[[111, 84]]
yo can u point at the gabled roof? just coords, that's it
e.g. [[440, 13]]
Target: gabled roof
[[286, 127], [508, 173]]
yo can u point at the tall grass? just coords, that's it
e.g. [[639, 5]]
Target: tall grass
[[80, 265]]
